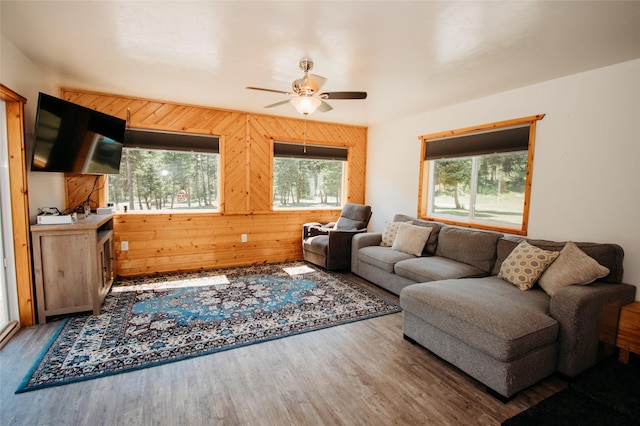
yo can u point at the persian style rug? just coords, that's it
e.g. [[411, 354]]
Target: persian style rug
[[155, 320]]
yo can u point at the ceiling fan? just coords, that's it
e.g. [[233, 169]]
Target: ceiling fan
[[305, 92]]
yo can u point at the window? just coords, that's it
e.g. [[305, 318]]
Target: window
[[480, 177], [308, 176], [167, 171], [484, 187]]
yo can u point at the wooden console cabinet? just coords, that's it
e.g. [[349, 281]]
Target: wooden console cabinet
[[629, 331], [74, 265]]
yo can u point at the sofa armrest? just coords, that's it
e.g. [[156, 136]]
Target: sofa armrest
[[311, 229], [585, 313], [339, 248], [364, 239]]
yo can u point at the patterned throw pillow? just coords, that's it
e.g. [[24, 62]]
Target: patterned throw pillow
[[389, 233], [525, 264], [411, 238], [572, 267]]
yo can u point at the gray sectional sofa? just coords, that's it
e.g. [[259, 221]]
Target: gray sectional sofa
[[456, 305]]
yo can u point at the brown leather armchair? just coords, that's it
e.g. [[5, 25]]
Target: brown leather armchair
[[329, 245]]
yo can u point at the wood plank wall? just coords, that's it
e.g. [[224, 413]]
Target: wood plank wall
[[166, 242]]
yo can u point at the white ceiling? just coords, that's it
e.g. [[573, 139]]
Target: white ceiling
[[409, 56]]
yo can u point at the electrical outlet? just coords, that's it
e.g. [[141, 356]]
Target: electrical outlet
[[124, 245], [243, 238]]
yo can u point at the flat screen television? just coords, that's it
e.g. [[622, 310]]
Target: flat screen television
[[71, 138]]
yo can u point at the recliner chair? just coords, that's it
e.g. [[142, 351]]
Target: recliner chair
[[329, 245]]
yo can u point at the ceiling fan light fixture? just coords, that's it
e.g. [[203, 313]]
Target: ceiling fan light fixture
[[306, 105]]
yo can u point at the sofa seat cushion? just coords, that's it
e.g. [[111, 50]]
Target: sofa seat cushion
[[487, 313], [435, 268], [382, 257], [317, 244]]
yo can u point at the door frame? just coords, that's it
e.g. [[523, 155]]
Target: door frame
[[19, 203]]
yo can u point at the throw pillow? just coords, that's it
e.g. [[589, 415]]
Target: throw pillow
[[411, 238], [525, 264], [572, 267], [389, 233]]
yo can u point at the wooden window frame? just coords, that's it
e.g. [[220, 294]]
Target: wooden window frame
[[423, 184]]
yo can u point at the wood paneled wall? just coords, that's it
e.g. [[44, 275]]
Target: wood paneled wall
[[165, 242]]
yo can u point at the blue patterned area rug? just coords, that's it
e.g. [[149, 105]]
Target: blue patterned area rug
[[156, 320]]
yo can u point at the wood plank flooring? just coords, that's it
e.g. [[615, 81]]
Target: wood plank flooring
[[362, 373]]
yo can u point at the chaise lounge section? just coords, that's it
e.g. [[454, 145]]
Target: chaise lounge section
[[458, 303]]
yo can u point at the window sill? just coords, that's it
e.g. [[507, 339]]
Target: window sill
[[288, 209], [514, 229], [168, 212]]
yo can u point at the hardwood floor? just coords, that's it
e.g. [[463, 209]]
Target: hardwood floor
[[363, 373]]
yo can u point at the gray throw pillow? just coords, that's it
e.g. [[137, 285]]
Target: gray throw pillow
[[411, 238], [389, 233], [572, 267]]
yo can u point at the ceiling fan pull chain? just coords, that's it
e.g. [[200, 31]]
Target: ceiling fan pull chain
[[304, 146]]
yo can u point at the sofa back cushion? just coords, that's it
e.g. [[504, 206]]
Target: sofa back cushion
[[606, 254], [353, 216], [432, 241], [475, 248]]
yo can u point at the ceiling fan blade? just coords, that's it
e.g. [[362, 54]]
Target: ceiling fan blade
[[270, 90], [344, 95], [324, 107], [277, 104]]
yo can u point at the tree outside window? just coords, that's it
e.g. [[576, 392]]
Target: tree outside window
[[486, 187], [299, 183], [158, 180]]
